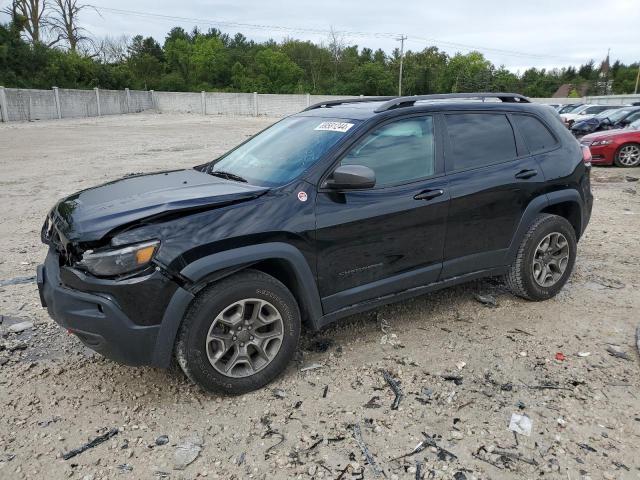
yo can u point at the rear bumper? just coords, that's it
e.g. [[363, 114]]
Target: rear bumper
[[97, 319]]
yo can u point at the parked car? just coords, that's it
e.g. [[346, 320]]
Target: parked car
[[568, 108], [619, 147], [338, 209], [584, 112], [607, 120]]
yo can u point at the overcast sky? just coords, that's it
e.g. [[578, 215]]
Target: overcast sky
[[518, 34]]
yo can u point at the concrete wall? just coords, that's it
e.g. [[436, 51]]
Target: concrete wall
[[28, 105]]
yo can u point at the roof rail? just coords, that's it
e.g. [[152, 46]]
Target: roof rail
[[398, 102], [331, 103]]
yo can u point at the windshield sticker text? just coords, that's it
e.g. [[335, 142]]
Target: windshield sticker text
[[334, 126]]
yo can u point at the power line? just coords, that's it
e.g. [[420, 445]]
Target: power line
[[318, 31]]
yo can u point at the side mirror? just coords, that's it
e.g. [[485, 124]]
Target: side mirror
[[351, 177]]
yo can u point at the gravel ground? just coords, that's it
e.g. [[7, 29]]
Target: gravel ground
[[465, 368]]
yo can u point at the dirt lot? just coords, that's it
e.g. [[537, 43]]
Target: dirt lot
[[55, 395]]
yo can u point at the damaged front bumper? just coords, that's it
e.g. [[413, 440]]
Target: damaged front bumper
[[98, 319]]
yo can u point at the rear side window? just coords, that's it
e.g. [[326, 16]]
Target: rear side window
[[479, 139], [537, 137]]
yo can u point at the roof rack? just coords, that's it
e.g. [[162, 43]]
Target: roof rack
[[331, 103], [398, 102]]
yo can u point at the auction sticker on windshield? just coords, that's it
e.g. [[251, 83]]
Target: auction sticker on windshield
[[334, 126]]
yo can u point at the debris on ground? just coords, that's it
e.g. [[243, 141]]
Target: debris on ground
[[93, 443], [560, 357], [187, 451], [486, 299], [521, 424], [617, 352], [279, 393], [162, 440], [20, 327], [313, 366], [357, 435], [17, 281], [395, 386], [457, 379]]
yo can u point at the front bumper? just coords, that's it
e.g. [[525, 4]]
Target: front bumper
[[96, 318], [602, 154]]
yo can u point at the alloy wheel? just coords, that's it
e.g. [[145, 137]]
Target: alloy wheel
[[550, 259], [245, 337], [629, 155]]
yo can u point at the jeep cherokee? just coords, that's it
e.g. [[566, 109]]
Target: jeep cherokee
[[343, 207]]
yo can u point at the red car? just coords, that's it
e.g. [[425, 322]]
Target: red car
[[619, 147]]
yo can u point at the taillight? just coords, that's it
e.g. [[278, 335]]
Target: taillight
[[586, 155]]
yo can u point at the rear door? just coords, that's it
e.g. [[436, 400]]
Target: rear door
[[386, 239], [492, 179]]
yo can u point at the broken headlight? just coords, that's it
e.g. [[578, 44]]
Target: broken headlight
[[110, 263]]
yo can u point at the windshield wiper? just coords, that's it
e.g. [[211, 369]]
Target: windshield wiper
[[228, 176]]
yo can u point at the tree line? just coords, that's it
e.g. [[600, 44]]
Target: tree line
[[43, 45]]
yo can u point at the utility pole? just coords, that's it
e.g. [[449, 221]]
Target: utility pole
[[637, 80], [401, 39]]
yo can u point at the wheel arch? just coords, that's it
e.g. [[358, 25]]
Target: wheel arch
[[565, 203], [281, 260]]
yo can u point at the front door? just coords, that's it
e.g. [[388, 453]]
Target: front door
[[386, 239]]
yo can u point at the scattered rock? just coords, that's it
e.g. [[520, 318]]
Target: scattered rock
[[162, 440], [487, 300], [20, 327], [187, 451]]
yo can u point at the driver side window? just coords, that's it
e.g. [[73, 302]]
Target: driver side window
[[397, 152]]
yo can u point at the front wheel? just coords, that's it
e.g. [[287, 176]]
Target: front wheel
[[545, 259], [239, 334], [628, 155]]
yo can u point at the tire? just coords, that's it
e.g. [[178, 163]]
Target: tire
[[628, 155], [227, 327], [530, 279]]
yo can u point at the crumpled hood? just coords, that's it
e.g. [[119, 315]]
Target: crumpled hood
[[90, 214]]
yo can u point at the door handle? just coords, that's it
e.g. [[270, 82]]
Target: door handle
[[524, 174], [428, 194]]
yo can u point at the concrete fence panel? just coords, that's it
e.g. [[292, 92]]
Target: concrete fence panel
[[274, 105], [78, 103], [218, 103], [614, 99], [27, 105], [178, 102], [139, 101], [113, 102]]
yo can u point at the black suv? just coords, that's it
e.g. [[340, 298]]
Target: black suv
[[338, 209]]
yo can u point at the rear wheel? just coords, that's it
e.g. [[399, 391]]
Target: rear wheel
[[628, 155], [239, 334], [545, 259]]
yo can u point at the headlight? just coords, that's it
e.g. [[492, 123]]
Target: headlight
[[601, 142], [116, 262]]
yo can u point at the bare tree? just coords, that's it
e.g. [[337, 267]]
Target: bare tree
[[65, 22], [32, 18], [112, 49], [336, 47]]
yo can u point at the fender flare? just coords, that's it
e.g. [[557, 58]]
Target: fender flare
[[201, 270], [536, 206]]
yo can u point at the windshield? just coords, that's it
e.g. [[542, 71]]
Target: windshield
[[620, 114], [635, 125], [569, 108], [612, 114], [283, 151]]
